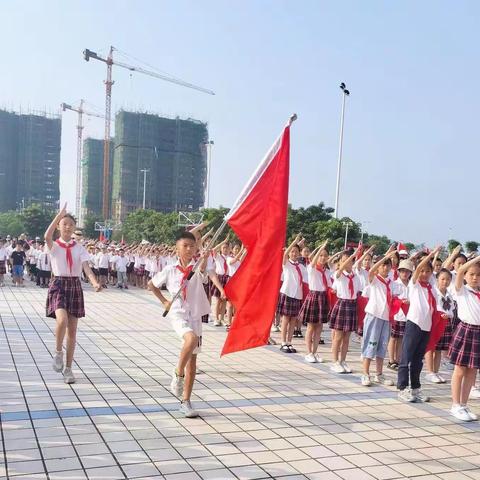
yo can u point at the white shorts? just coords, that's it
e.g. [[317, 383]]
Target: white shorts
[[183, 326]]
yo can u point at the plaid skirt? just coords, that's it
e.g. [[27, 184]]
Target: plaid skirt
[[314, 308], [3, 268], [66, 293], [140, 270], [398, 329], [215, 292], [444, 342], [343, 316], [465, 346], [288, 306]]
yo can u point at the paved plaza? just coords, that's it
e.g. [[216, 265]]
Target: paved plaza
[[264, 414]]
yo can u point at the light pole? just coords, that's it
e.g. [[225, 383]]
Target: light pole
[[145, 171], [362, 224], [209, 145], [347, 224], [345, 94]]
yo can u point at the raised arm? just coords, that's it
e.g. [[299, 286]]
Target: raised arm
[[316, 253], [374, 268], [51, 228], [448, 263], [289, 248], [342, 265], [359, 262], [423, 262], [463, 270], [334, 258]]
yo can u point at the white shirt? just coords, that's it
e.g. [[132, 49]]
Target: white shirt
[[44, 262], [232, 266], [402, 293], [58, 260], [363, 277], [121, 264], [315, 279], [113, 259], [340, 285], [292, 286], [3, 254], [468, 306], [445, 302], [419, 311], [220, 263], [103, 259], [196, 304], [377, 298]]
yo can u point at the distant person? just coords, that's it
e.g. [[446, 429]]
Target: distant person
[[3, 262], [17, 259]]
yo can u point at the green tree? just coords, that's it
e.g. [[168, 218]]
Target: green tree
[[306, 220], [334, 231], [472, 246], [381, 242], [36, 219], [452, 244], [89, 225], [409, 246], [11, 223]]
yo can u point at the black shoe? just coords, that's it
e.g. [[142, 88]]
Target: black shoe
[[284, 348], [299, 334], [321, 342], [392, 366], [291, 349]]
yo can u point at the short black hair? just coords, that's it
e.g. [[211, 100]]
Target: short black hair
[[70, 216], [445, 270], [185, 236], [461, 255]]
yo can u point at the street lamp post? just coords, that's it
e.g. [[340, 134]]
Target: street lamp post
[[209, 145], [347, 225], [345, 94], [145, 171]]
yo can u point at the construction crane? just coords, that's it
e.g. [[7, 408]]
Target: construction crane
[[78, 181], [88, 54]]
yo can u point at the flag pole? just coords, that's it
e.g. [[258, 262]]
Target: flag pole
[[196, 265]]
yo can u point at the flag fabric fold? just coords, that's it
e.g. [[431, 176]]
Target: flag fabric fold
[[259, 219]]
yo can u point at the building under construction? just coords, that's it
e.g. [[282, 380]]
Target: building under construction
[[173, 153], [92, 176], [29, 160]]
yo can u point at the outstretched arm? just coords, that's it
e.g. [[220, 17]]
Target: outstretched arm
[[463, 270], [51, 228], [290, 247], [374, 269], [422, 264]]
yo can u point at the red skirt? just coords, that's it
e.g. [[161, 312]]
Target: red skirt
[[465, 346], [314, 308], [344, 316], [3, 268], [65, 293], [444, 342]]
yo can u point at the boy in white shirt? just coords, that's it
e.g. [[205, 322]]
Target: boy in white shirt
[[121, 268], [185, 313]]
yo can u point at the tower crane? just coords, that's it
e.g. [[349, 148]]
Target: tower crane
[[78, 181], [88, 54]]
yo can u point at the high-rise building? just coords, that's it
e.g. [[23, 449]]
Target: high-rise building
[[29, 160], [92, 176], [173, 153]]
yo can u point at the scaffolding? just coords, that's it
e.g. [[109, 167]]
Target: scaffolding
[[29, 160], [173, 150]]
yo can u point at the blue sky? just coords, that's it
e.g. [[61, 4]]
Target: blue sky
[[410, 165]]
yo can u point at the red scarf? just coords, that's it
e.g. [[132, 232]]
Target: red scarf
[[431, 298], [395, 272], [324, 275], [225, 265], [477, 294], [389, 296], [183, 283], [68, 247], [350, 284]]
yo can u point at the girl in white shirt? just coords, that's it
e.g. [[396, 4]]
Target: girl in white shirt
[[417, 331], [65, 294], [343, 317], [222, 252], [291, 294], [314, 311], [464, 351], [446, 305]]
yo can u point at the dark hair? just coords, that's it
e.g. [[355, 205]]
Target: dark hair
[[385, 262], [70, 216], [185, 236], [444, 270], [296, 246], [461, 255]]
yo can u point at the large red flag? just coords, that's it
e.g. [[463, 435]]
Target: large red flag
[[259, 218]]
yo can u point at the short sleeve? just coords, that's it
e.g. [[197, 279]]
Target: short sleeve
[[84, 255], [160, 278]]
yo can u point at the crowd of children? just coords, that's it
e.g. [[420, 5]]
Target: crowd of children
[[406, 309]]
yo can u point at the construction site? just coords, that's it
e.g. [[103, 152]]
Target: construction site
[[29, 160]]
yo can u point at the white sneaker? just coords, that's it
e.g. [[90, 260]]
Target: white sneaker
[[319, 358], [419, 396], [176, 386], [187, 409], [366, 382], [217, 323], [475, 392], [275, 328], [346, 367], [58, 361], [473, 416], [383, 380], [406, 395], [460, 413], [433, 378], [337, 367], [68, 376], [441, 379], [310, 358]]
